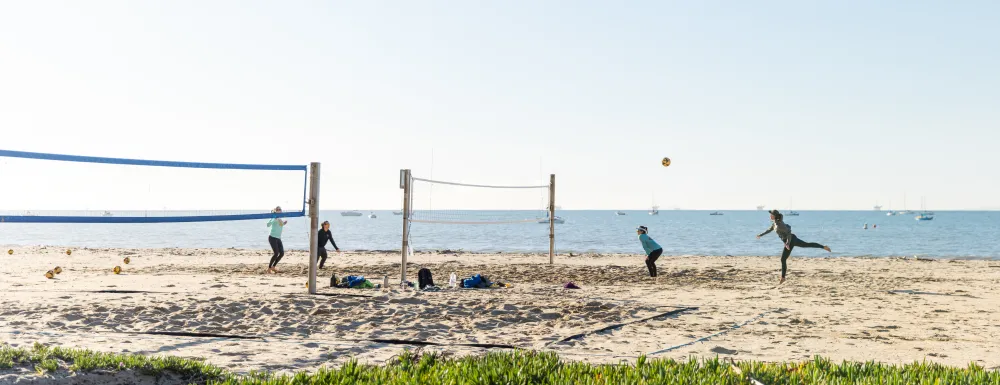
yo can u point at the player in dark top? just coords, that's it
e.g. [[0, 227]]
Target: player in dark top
[[325, 235]]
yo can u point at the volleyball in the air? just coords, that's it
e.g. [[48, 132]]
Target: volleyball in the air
[[58, 270], [11, 251], [665, 162], [126, 260], [68, 252], [49, 274], [117, 269]]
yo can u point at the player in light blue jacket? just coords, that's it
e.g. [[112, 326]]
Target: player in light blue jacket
[[652, 249], [276, 225]]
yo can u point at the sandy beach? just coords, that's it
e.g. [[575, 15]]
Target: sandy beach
[[886, 309]]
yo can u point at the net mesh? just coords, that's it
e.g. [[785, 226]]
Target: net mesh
[[504, 217], [438, 202]]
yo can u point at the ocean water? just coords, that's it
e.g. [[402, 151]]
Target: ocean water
[[950, 235]]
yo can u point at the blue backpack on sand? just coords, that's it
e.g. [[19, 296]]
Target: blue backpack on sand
[[469, 283], [353, 280], [477, 281]]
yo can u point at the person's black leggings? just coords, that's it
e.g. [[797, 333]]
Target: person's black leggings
[[651, 261], [322, 256], [786, 252], [279, 251]]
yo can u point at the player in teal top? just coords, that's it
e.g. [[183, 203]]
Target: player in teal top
[[652, 249], [276, 225]]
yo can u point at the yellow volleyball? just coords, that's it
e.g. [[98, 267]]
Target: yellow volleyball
[[58, 270], [49, 274], [11, 251], [666, 162], [117, 269], [126, 260], [68, 252]]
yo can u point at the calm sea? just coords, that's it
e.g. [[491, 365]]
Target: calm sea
[[949, 235]]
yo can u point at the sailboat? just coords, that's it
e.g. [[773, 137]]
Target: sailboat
[[791, 213], [655, 210], [905, 211], [923, 207], [924, 214], [877, 207], [891, 212], [556, 219]]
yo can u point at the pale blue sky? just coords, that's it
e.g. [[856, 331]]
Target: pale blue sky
[[835, 103]]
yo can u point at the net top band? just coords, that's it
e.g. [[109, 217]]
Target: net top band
[[143, 162], [475, 185], [136, 219]]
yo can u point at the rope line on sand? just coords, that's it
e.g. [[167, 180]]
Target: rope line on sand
[[429, 343], [109, 291], [324, 294], [199, 335], [620, 325], [721, 332], [266, 338]]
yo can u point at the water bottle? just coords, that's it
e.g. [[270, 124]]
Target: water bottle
[[385, 281], [453, 280]]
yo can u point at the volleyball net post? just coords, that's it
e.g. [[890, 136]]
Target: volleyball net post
[[552, 217], [405, 183], [499, 196], [313, 203]]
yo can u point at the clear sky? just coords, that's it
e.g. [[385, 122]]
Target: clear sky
[[837, 104]]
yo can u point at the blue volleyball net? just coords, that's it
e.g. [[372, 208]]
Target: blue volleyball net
[[56, 188]]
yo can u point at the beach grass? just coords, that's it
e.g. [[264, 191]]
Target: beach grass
[[48, 360], [517, 367]]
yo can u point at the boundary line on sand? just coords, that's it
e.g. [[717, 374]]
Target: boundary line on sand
[[103, 291], [724, 331], [619, 326], [386, 341], [199, 335]]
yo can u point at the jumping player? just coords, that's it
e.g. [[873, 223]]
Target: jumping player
[[784, 232]]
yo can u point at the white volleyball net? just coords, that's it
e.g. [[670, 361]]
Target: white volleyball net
[[479, 217], [453, 203]]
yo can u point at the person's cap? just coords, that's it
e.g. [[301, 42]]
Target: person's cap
[[643, 229], [774, 212]]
